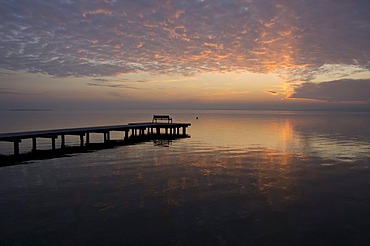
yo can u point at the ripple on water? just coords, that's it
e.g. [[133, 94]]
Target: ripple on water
[[286, 183]]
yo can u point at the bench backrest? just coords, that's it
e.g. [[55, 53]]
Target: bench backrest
[[162, 117]]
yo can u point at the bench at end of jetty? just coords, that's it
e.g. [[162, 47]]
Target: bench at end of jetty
[[161, 117]]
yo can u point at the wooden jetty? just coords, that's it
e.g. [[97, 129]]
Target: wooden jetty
[[132, 129]]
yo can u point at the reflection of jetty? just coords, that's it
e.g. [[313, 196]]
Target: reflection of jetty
[[144, 131]]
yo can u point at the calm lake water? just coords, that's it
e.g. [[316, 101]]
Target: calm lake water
[[242, 178]]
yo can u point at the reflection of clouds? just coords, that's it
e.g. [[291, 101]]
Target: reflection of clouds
[[68, 38], [325, 134], [260, 173], [264, 155], [334, 135]]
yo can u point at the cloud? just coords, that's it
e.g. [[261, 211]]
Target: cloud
[[103, 38], [274, 93], [16, 92], [345, 90], [11, 92], [110, 83]]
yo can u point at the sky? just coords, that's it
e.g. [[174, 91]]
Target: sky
[[216, 54]]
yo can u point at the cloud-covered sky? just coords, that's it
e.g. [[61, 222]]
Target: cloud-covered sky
[[108, 42]]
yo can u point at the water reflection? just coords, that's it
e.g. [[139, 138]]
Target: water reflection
[[162, 142], [262, 171], [328, 135], [242, 179]]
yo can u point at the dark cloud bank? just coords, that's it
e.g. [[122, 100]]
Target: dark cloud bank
[[346, 90]]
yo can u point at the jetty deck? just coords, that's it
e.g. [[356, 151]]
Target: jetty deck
[[132, 129]]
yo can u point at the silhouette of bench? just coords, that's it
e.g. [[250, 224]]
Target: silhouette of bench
[[161, 117]]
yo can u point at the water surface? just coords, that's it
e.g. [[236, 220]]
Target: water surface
[[244, 177]]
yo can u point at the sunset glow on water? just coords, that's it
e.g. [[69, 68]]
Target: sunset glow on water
[[271, 178]]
